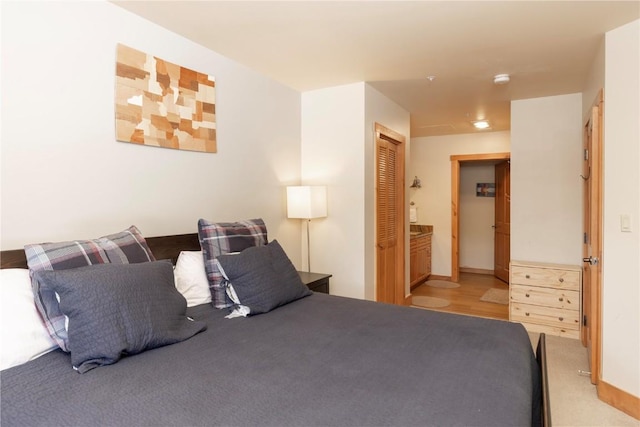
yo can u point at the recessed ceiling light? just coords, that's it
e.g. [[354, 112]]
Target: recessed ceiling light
[[431, 78], [501, 79], [481, 124]]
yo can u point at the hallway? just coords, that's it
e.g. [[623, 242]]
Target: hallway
[[466, 298]]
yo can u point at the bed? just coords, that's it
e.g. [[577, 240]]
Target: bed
[[319, 360]]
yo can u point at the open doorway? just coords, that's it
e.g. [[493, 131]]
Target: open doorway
[[484, 218], [500, 257]]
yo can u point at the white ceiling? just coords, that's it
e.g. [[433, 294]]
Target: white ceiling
[[547, 47]]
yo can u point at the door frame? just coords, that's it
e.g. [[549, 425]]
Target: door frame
[[456, 160]]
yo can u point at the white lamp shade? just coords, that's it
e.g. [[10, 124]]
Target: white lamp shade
[[306, 202]]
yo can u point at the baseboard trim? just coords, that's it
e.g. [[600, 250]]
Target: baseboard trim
[[434, 277], [619, 399], [476, 271], [407, 299]]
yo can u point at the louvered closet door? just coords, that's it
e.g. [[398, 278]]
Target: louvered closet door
[[386, 219]]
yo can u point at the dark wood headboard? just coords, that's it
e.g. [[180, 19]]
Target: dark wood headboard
[[162, 247]]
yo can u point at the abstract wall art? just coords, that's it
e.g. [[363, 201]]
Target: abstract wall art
[[162, 104]]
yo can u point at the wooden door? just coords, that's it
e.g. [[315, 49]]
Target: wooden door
[[502, 226], [592, 237], [389, 216]]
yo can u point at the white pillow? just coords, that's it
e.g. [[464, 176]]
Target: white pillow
[[23, 336], [191, 278]]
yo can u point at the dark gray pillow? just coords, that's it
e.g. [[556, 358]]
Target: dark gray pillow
[[262, 278], [116, 310], [125, 247]]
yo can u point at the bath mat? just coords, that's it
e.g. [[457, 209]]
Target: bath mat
[[429, 302], [497, 296], [442, 284]]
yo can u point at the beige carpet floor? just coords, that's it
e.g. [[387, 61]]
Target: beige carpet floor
[[574, 401]]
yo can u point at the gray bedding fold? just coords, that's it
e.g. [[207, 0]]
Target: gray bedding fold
[[322, 360]]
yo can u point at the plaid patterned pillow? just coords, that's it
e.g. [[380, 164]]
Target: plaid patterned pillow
[[125, 247], [222, 238]]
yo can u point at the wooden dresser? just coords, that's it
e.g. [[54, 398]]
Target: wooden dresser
[[546, 297]]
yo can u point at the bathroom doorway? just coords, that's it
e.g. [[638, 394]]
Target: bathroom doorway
[[456, 162]]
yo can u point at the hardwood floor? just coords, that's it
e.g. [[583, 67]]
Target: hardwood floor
[[466, 298]]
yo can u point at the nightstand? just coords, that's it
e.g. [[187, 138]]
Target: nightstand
[[317, 282]]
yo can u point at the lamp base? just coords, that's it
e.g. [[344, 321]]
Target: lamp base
[[308, 248]]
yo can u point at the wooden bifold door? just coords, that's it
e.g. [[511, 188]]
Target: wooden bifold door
[[389, 189]]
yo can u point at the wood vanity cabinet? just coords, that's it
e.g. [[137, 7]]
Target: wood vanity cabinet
[[419, 258], [546, 297]]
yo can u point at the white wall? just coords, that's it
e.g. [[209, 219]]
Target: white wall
[[65, 176], [594, 82], [380, 109], [477, 215], [546, 188], [333, 150], [338, 151], [621, 251], [430, 161]]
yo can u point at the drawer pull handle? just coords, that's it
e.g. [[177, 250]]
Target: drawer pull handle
[[561, 318], [560, 299], [561, 280], [526, 295], [527, 276], [526, 314]]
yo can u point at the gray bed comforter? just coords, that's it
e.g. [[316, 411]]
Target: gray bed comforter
[[319, 361]]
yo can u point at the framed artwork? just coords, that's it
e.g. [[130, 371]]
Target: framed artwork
[[162, 104], [484, 189]]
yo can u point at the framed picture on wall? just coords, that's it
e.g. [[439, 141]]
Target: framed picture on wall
[[485, 189], [162, 104]]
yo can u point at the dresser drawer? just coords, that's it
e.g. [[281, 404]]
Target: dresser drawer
[[548, 277], [552, 330], [569, 319], [549, 297]]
